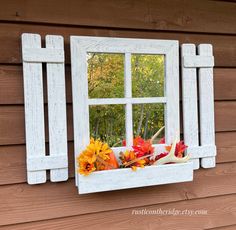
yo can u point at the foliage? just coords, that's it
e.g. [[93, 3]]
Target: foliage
[[106, 80]]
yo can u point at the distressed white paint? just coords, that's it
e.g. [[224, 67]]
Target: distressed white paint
[[34, 110], [172, 123], [198, 61], [126, 178], [202, 151], [206, 101], [80, 99], [57, 162], [57, 109], [37, 161], [128, 106], [204, 148], [43, 55], [80, 46], [114, 101], [190, 107]]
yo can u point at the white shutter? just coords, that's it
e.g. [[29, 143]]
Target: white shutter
[[37, 160], [197, 72]]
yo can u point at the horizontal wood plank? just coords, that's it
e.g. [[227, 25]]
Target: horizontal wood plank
[[231, 227], [11, 84], [13, 158], [196, 16], [221, 212], [13, 163], [12, 121], [224, 84], [23, 203], [10, 44]]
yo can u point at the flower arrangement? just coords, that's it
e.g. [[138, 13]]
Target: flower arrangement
[[99, 156]]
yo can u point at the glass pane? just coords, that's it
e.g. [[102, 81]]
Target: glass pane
[[105, 75], [147, 120], [148, 75], [107, 122]]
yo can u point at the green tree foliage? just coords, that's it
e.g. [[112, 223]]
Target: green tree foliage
[[106, 80]]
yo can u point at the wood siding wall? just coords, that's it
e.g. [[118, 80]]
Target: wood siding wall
[[57, 205]]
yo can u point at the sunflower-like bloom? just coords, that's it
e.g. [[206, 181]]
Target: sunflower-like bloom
[[86, 168], [95, 154]]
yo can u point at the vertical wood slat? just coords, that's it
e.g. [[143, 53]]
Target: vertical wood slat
[[34, 110], [37, 161], [80, 100], [56, 109], [206, 102], [190, 107], [172, 119], [128, 106]]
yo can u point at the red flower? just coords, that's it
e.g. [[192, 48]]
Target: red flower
[[179, 149], [142, 147]]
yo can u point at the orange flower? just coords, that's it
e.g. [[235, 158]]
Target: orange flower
[[130, 159], [86, 168], [96, 156]]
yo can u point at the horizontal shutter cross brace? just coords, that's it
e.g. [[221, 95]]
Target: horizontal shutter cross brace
[[43, 55], [47, 162], [197, 61]]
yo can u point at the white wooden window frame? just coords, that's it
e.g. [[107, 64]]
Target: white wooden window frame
[[80, 46]]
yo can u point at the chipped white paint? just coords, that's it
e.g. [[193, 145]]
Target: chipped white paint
[[206, 101], [198, 61], [126, 178], [112, 179], [114, 101], [43, 55], [204, 148], [56, 108], [202, 151], [37, 161], [190, 108]]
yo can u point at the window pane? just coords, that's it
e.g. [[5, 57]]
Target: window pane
[[147, 120], [107, 122], [105, 75], [148, 75]]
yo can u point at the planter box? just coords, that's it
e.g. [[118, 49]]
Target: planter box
[[117, 179]]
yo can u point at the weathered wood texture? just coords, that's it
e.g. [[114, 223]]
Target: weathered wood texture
[[28, 203], [57, 206], [11, 84], [146, 14], [221, 212], [224, 46]]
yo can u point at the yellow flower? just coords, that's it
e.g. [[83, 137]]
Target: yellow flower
[[87, 160]]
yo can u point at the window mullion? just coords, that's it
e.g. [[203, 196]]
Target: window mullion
[[128, 94]]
